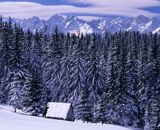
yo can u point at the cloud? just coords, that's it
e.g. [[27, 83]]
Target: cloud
[[96, 8], [89, 18], [120, 3], [121, 7]]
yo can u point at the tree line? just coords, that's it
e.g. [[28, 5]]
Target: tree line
[[112, 79]]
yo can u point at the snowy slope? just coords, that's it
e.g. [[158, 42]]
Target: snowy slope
[[14, 121], [76, 25], [157, 30]]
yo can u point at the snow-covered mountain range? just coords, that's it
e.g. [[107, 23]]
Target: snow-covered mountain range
[[74, 24]]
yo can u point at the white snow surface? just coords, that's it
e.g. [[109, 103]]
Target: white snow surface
[[156, 30], [21, 121], [58, 110]]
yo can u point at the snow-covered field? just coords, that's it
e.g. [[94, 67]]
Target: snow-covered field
[[20, 121]]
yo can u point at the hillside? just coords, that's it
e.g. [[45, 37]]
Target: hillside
[[15, 121]]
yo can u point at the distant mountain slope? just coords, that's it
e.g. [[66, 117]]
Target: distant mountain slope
[[75, 25]]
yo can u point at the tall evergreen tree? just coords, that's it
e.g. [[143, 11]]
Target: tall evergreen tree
[[83, 108], [132, 68], [78, 77], [35, 96], [53, 67], [152, 86], [112, 71], [15, 90], [144, 60], [17, 77], [65, 75], [100, 112], [2, 92]]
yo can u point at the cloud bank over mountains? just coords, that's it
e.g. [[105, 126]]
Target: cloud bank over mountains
[[93, 8]]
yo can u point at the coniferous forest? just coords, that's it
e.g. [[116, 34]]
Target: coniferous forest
[[113, 79]]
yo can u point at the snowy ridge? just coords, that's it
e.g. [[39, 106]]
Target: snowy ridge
[[76, 25]]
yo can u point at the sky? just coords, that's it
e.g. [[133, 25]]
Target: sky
[[87, 9]]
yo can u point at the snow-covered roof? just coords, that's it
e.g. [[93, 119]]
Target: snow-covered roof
[[58, 110]]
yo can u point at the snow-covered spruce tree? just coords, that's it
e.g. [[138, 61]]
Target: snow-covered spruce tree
[[35, 98], [52, 66], [84, 107], [27, 45], [2, 92], [96, 72], [15, 90], [152, 87], [66, 70], [143, 61], [119, 101], [77, 73], [128, 83], [8, 44], [92, 63], [106, 44], [111, 82], [132, 68], [100, 104], [17, 77], [36, 53], [17, 57], [35, 93], [6, 53], [100, 110]]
